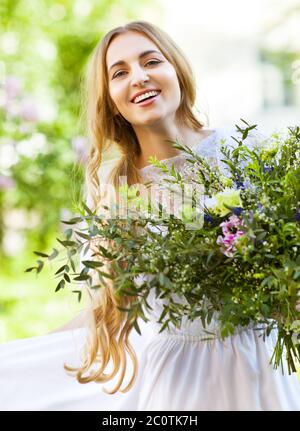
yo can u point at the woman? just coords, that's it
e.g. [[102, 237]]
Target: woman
[[141, 94]]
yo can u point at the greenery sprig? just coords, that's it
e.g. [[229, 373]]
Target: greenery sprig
[[238, 266]]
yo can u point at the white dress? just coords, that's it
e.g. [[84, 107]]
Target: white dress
[[178, 371]]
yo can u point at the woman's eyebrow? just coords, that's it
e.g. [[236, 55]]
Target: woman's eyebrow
[[143, 54]]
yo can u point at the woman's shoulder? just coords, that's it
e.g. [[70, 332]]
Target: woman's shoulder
[[230, 134]]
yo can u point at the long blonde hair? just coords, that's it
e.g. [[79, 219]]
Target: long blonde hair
[[110, 329]]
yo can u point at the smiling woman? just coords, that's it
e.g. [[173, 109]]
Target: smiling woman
[[155, 80], [140, 96], [130, 61]]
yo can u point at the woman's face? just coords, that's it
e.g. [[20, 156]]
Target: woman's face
[[136, 68]]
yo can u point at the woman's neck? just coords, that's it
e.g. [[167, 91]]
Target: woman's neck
[[154, 142]]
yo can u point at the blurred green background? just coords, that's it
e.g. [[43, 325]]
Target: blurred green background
[[44, 47]]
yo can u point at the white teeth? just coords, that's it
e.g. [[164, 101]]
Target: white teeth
[[145, 95]]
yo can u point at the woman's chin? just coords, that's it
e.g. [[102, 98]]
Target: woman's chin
[[150, 119]]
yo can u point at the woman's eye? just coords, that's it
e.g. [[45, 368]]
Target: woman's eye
[[154, 61], [117, 74]]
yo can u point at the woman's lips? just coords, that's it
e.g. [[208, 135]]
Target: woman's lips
[[148, 101]]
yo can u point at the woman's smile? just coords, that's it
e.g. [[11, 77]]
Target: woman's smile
[[148, 102]]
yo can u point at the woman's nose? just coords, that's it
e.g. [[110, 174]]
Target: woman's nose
[[139, 76]]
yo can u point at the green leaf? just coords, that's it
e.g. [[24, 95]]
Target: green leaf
[[68, 233], [71, 252], [72, 221], [60, 285], [86, 249], [30, 269], [261, 236], [67, 278], [79, 294], [136, 326], [66, 243], [54, 254], [163, 314], [40, 266], [87, 209], [92, 263], [83, 235], [296, 273], [210, 255], [127, 310], [96, 286], [61, 269], [93, 230], [72, 264], [82, 277], [105, 253], [38, 253], [165, 281], [227, 329], [106, 275], [164, 326]]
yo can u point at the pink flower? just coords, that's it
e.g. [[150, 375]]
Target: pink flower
[[230, 234], [233, 222], [12, 87], [6, 182], [28, 110]]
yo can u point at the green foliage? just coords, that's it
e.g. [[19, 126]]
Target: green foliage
[[241, 266]]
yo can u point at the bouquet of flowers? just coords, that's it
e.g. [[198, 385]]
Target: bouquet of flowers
[[232, 253]]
